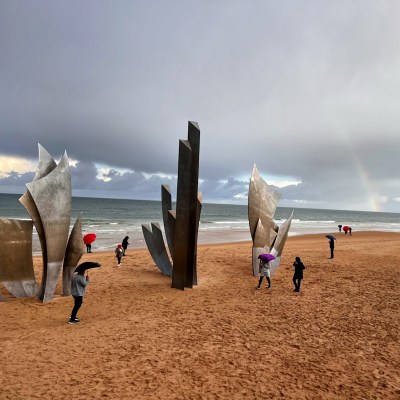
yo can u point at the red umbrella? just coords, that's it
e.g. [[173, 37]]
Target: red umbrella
[[89, 238], [346, 228]]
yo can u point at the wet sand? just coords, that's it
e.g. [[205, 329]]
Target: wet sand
[[139, 339]]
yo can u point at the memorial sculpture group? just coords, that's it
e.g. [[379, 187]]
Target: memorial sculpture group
[[48, 202], [181, 225]]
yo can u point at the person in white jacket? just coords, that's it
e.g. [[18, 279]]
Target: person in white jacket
[[265, 270], [78, 287]]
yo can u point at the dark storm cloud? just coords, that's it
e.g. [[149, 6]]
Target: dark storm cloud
[[307, 90]]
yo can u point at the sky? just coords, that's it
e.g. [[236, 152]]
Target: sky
[[307, 90]]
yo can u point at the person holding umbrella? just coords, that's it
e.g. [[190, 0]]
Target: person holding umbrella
[[331, 243], [265, 268], [88, 239], [78, 288]]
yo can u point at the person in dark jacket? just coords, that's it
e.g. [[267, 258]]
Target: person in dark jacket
[[340, 228], [78, 287], [332, 246], [298, 273], [125, 244]]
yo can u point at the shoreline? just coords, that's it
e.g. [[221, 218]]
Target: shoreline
[[215, 241]]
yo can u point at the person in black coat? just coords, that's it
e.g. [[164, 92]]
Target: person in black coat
[[332, 246], [298, 273], [125, 244]]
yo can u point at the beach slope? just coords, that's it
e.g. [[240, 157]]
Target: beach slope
[[139, 339]]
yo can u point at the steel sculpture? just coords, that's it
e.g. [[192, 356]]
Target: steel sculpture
[[74, 252], [16, 266], [155, 243], [266, 235], [48, 202], [180, 225], [46, 164]]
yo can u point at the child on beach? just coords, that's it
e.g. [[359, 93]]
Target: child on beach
[[119, 253], [265, 270]]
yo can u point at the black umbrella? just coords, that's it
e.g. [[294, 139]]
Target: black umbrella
[[330, 237], [86, 265]]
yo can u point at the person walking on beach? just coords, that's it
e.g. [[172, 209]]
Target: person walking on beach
[[332, 246], [118, 253], [125, 244], [340, 228], [350, 230], [298, 274], [265, 270], [78, 287], [88, 248]]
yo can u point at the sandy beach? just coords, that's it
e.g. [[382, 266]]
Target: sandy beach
[[139, 339]]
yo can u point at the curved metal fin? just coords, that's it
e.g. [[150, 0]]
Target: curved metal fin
[[262, 201], [46, 163], [166, 201], [282, 236], [73, 253], [16, 267], [52, 197], [155, 244]]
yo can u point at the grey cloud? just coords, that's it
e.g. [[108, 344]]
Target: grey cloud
[[305, 89]]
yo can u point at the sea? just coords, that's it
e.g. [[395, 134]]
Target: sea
[[113, 219]]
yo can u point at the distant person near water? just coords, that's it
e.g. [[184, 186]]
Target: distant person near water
[[332, 246], [125, 245], [119, 253], [340, 228], [78, 287], [298, 274], [350, 230], [265, 270], [88, 248]]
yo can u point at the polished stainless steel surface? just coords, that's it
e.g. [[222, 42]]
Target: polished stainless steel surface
[[73, 253], [181, 225], [156, 246], [181, 239], [267, 236], [16, 266], [52, 197], [281, 237], [262, 202], [169, 224], [46, 164], [187, 211]]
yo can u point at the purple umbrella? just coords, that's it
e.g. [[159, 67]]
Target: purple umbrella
[[266, 257]]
